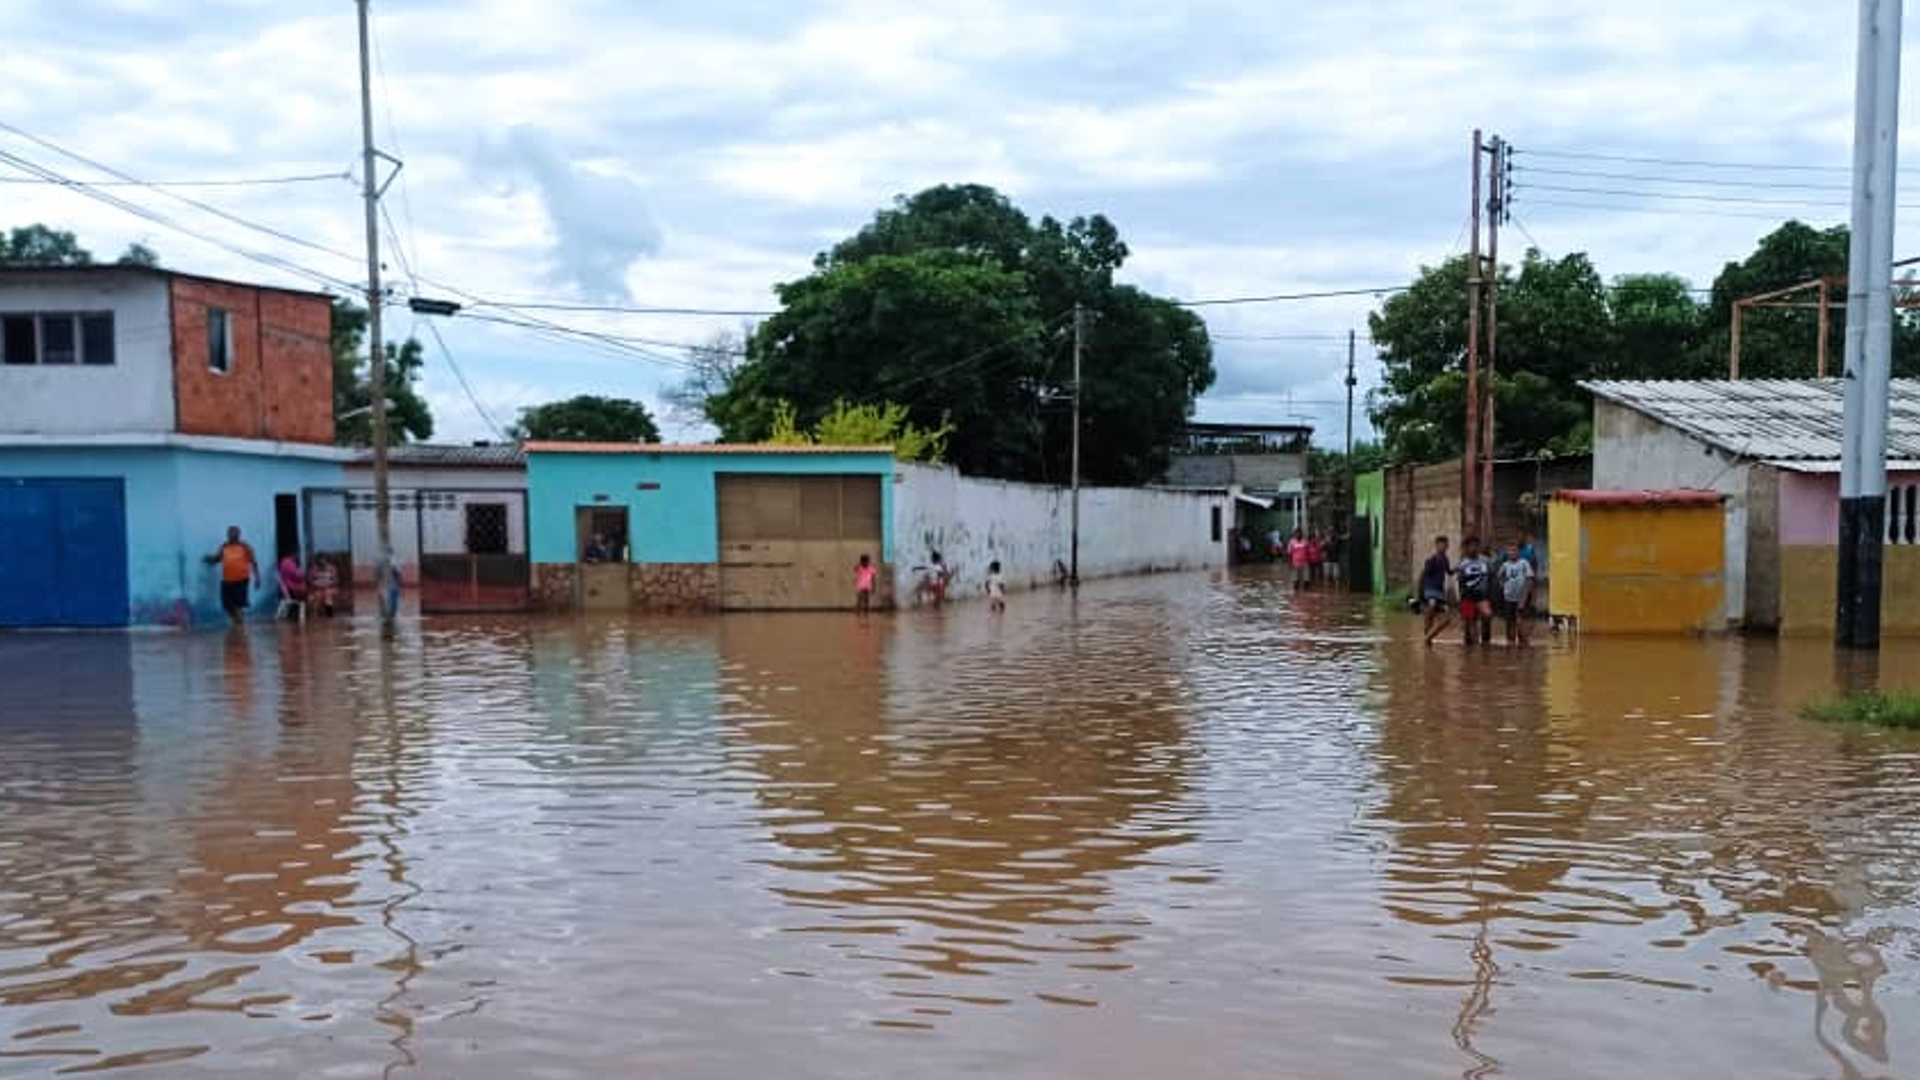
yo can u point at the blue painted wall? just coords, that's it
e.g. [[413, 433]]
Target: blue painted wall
[[679, 522], [179, 503]]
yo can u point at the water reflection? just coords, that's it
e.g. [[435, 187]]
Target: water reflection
[[945, 819], [1163, 824]]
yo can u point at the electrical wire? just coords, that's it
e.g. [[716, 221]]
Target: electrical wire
[[1742, 200], [619, 309], [605, 339], [1677, 162], [1697, 181], [155, 217], [1621, 208], [197, 204], [231, 182], [1277, 298], [461, 377], [981, 354]]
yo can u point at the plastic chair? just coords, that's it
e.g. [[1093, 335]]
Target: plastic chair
[[291, 606]]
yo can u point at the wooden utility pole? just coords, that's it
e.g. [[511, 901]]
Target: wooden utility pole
[[1496, 211], [1469, 472], [376, 350], [1350, 382]]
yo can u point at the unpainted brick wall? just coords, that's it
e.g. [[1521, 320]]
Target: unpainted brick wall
[[280, 385]]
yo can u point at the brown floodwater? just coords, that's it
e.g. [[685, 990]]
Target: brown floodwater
[[1178, 826]]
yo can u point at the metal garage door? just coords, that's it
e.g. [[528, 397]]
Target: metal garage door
[[64, 545], [790, 542]]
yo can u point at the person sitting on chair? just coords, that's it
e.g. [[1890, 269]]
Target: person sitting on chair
[[293, 580], [597, 550], [323, 585]]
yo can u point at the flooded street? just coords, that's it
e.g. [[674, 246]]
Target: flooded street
[[1178, 826]]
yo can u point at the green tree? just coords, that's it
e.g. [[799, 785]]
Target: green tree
[[878, 424], [1658, 327], [138, 255], [954, 305], [38, 245], [588, 418], [408, 417]]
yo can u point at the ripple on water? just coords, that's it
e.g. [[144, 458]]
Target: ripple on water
[[1165, 821]]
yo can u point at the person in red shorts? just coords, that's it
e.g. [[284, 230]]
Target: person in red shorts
[[1475, 578]]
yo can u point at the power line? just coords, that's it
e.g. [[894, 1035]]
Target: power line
[[472, 398], [589, 335], [621, 309], [229, 182], [1277, 298], [195, 203], [1682, 163], [979, 355], [148, 214], [1622, 208], [1690, 196], [1283, 337], [1697, 181]]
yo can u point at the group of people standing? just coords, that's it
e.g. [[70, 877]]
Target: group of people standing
[[1497, 583], [1313, 557], [935, 578]]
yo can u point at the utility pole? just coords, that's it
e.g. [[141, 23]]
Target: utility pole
[[1469, 473], [1869, 340], [1496, 212], [1350, 381], [1079, 347], [376, 350]]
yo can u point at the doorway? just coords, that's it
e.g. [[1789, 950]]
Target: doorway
[[286, 526], [601, 548]]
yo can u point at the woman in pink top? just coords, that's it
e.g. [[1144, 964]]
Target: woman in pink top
[[1300, 554], [865, 576], [293, 580]]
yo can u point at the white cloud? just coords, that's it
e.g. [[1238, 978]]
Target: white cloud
[[680, 155]]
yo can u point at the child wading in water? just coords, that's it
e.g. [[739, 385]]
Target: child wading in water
[[865, 574], [996, 587]]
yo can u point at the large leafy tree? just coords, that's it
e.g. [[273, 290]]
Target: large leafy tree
[[588, 418], [1559, 324], [408, 417], [1783, 342], [955, 305]]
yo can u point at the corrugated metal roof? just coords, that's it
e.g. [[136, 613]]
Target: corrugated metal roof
[[1775, 420], [452, 456], [1679, 497], [696, 448]]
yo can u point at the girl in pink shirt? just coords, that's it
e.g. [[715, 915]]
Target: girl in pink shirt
[[865, 576]]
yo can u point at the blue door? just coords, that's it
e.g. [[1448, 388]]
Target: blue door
[[63, 552]]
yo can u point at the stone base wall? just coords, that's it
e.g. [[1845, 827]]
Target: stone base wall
[[676, 586], [553, 587]]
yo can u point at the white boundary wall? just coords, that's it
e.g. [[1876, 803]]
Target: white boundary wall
[[1027, 527]]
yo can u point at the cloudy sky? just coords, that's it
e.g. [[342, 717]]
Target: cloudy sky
[[692, 155]]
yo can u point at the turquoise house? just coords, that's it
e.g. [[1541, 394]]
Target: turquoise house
[[617, 526]]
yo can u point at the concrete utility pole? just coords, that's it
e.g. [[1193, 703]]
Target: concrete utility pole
[[1079, 347], [1350, 381], [376, 351], [1469, 473], [1496, 210], [1869, 341]]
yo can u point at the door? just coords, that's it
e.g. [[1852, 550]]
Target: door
[[65, 545], [601, 541], [790, 542]]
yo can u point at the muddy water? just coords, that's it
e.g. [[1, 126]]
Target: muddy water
[[1179, 826]]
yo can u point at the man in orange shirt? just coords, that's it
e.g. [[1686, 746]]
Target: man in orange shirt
[[239, 575]]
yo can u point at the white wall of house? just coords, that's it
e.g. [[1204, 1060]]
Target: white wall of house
[[443, 528], [133, 394], [1027, 528], [1632, 452]]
